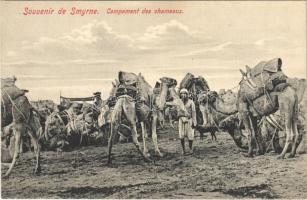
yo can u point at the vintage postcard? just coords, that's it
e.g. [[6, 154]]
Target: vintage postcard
[[153, 99]]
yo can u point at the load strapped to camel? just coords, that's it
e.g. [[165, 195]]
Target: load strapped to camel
[[9, 93], [127, 84], [130, 85], [262, 79], [194, 85]]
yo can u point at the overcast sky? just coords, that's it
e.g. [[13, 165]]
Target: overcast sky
[[80, 55]]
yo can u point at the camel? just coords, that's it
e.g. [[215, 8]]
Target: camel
[[55, 135], [104, 118], [146, 111], [79, 129], [18, 113], [223, 109], [67, 126], [168, 112], [272, 127], [222, 114], [171, 114], [262, 92], [197, 86]]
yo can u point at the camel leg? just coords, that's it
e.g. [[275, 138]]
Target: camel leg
[[37, 169], [137, 144], [154, 135], [170, 120], [46, 133], [21, 145], [204, 114], [129, 111], [288, 125], [18, 133], [246, 121], [296, 141], [213, 136], [113, 128], [257, 136], [201, 135], [238, 137], [161, 122], [145, 150], [37, 149], [110, 142], [297, 137]]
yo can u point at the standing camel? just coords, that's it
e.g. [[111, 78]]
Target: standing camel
[[222, 115], [262, 92], [156, 104], [17, 112], [135, 109], [273, 126]]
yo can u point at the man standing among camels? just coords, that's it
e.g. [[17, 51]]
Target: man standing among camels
[[187, 123]]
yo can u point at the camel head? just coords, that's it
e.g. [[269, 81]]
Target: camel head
[[165, 84], [230, 122], [170, 82], [157, 88], [207, 97], [247, 77], [114, 88], [228, 97]]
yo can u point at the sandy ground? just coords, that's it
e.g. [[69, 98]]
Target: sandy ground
[[216, 170]]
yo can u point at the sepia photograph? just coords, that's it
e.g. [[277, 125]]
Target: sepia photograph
[[153, 99]]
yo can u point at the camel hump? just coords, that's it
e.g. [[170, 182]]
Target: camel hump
[[299, 85]]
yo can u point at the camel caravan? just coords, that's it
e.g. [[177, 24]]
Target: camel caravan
[[266, 114]]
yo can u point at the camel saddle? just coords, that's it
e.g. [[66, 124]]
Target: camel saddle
[[265, 76], [128, 86]]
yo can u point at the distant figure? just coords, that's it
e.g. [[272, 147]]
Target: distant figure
[[97, 99], [187, 123], [73, 111]]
